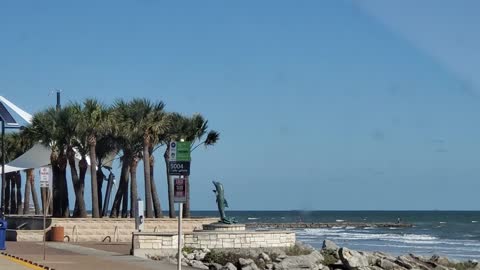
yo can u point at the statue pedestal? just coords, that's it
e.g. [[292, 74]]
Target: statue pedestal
[[222, 227]]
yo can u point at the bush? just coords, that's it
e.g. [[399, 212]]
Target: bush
[[188, 250], [222, 257], [298, 250], [463, 265]]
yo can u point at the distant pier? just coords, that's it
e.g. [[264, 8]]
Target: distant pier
[[306, 225]]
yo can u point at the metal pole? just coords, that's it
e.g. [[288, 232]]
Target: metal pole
[[44, 224], [59, 106], [3, 170], [180, 214]]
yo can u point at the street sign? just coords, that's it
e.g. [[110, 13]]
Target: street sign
[[44, 177], [180, 190], [179, 167], [180, 151]]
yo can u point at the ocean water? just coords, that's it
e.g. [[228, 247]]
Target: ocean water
[[455, 234]]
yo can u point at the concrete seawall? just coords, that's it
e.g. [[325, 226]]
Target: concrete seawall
[[96, 229]]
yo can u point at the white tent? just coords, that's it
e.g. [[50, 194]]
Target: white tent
[[38, 156]]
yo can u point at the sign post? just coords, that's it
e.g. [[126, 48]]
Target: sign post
[[180, 196], [45, 184], [179, 164]]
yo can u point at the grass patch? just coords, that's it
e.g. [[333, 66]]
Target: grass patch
[[297, 250], [188, 250]]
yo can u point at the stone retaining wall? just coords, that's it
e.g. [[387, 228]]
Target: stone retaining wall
[[107, 229], [157, 244]]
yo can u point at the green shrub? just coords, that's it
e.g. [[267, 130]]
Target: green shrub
[[297, 250], [463, 265], [188, 250], [222, 257]]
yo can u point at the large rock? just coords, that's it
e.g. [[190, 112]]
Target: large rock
[[245, 262], [265, 257], [310, 261], [198, 264], [229, 266], [352, 259], [389, 265], [330, 245], [251, 267], [215, 266]]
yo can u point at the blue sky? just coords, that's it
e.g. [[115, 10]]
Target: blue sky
[[321, 105]]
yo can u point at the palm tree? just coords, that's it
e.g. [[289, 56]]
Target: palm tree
[[130, 140], [149, 119], [45, 129], [106, 150], [69, 118], [92, 121], [195, 130]]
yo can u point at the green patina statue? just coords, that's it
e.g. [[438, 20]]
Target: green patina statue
[[222, 203]]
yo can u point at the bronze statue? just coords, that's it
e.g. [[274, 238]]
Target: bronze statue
[[222, 203]]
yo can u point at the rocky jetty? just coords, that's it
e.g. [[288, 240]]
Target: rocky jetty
[[303, 225], [330, 257]]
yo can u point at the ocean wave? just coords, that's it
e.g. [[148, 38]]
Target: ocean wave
[[346, 235], [252, 218]]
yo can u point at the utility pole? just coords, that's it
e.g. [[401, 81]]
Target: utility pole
[[59, 106]]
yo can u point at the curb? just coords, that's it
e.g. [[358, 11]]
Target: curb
[[27, 261]]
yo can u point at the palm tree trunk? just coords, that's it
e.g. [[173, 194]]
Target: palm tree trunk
[[80, 209], [100, 177], [93, 175], [156, 201], [125, 194], [171, 205], [31, 179], [148, 180], [133, 187], [83, 166], [119, 195], [13, 195], [18, 180], [56, 188], [7, 193], [26, 196], [63, 185]]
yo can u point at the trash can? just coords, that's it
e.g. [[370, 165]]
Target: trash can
[[3, 234], [57, 234]]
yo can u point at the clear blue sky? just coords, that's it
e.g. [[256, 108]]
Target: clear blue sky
[[320, 104]]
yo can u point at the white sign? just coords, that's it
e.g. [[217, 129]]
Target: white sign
[[173, 151], [45, 177]]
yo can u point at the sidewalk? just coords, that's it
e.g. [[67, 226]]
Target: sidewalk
[[8, 263], [89, 256]]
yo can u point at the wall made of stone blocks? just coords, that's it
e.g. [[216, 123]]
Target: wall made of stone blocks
[[152, 244]]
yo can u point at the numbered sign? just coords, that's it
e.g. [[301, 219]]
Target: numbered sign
[[179, 168]]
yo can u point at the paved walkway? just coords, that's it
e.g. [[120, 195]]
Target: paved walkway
[[8, 263], [65, 256]]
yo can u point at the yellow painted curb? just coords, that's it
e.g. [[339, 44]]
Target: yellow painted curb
[[26, 264]]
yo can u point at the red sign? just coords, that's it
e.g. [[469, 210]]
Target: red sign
[[180, 189]]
